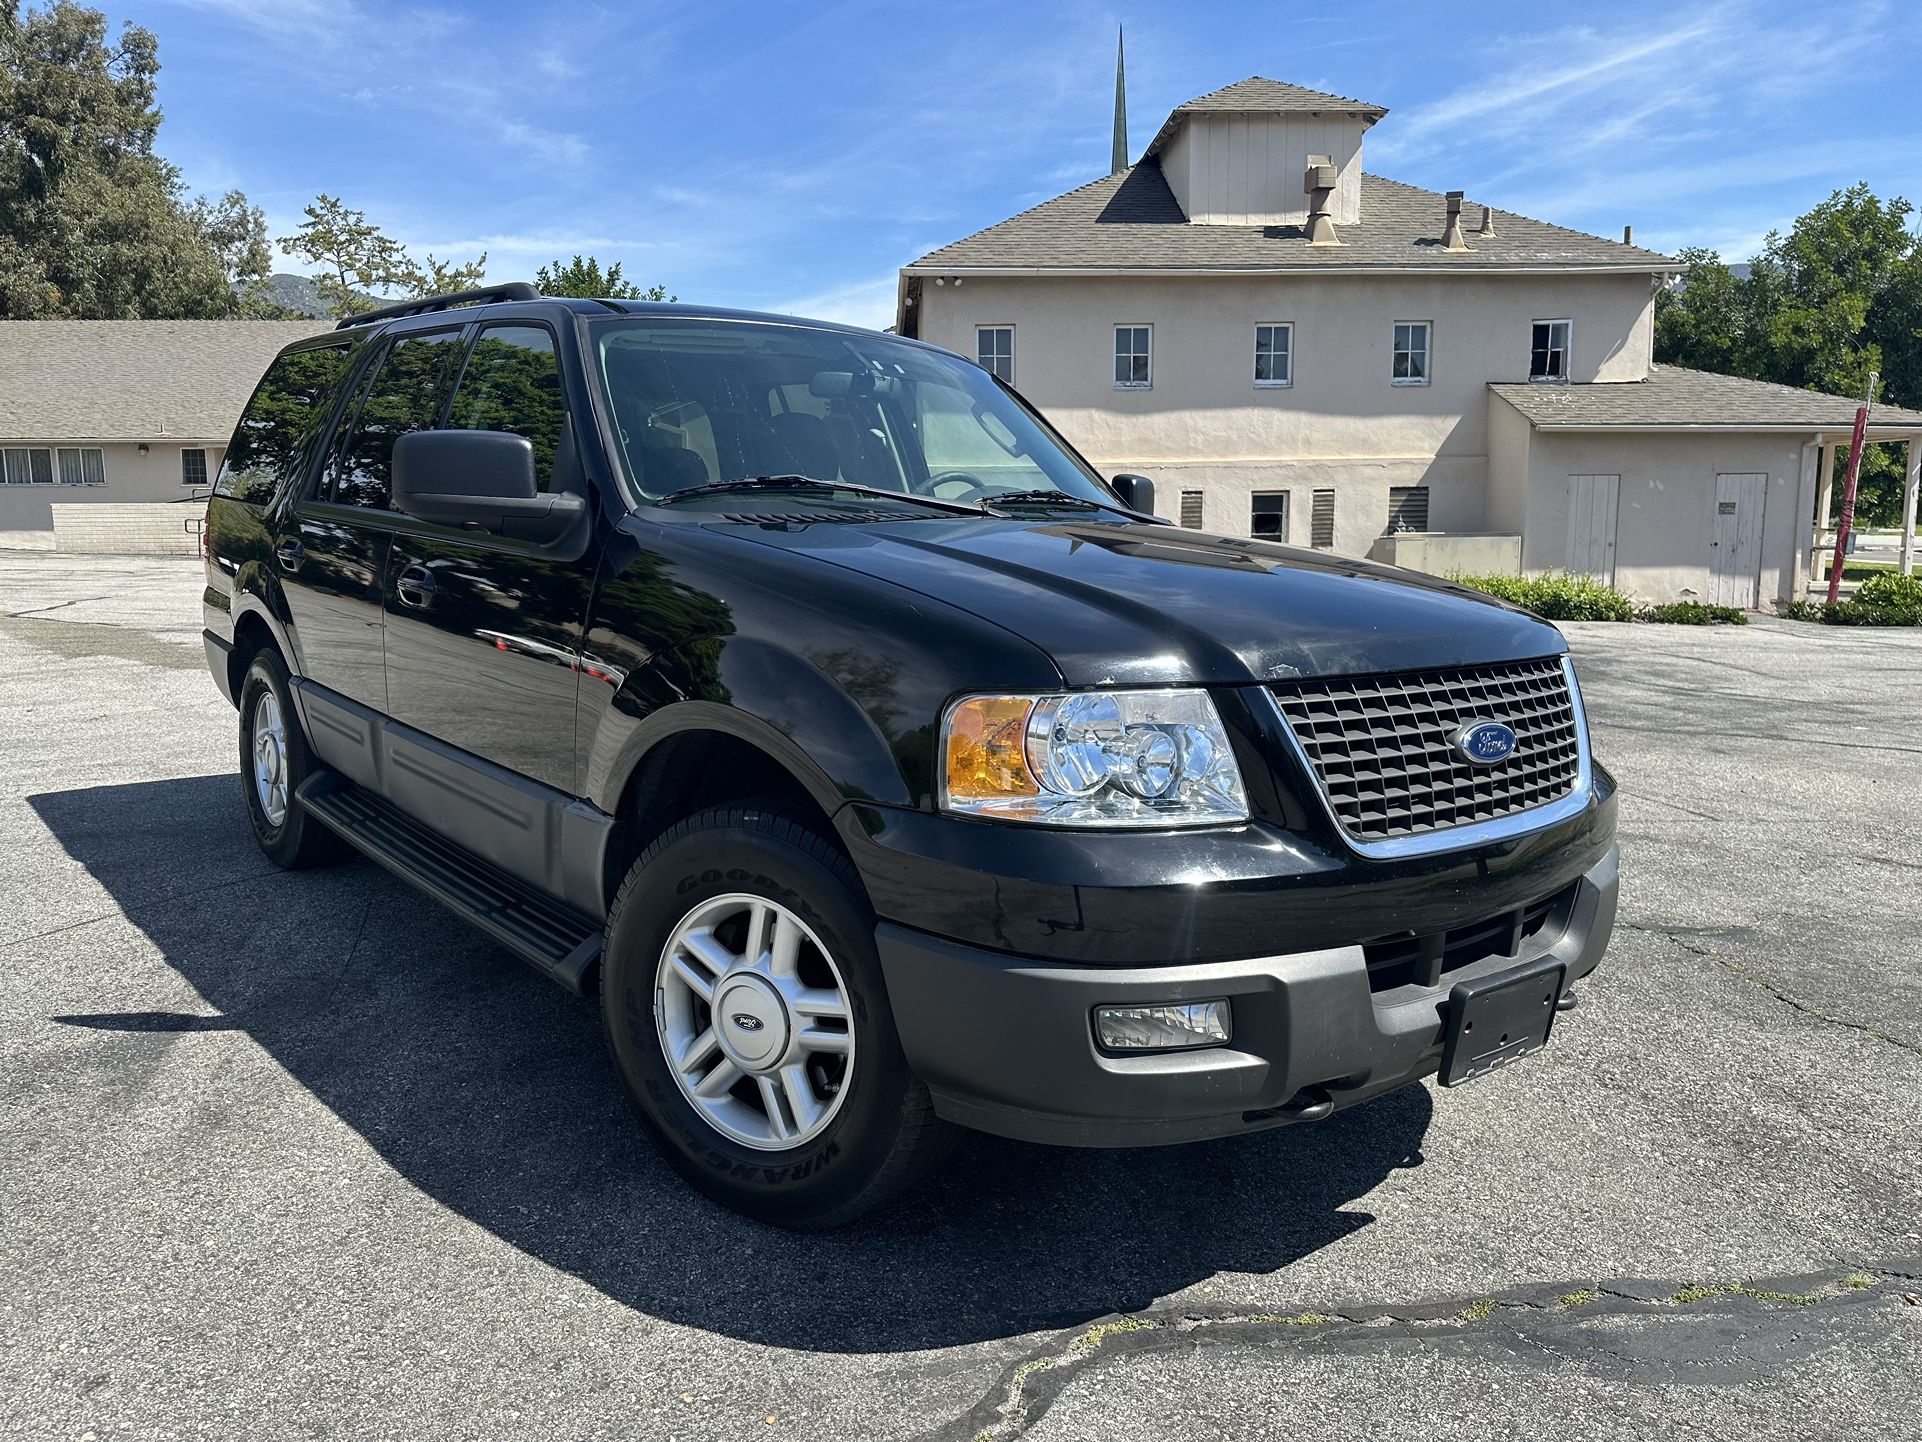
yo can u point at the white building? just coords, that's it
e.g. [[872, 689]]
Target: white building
[[1294, 348], [101, 411]]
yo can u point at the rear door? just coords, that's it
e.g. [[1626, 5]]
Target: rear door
[[483, 634], [331, 546]]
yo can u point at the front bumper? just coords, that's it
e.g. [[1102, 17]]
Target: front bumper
[[1006, 1043]]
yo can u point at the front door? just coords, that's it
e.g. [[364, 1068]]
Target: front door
[[483, 634], [1591, 526], [1735, 552]]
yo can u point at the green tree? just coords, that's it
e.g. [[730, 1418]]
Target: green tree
[[355, 257], [434, 277], [1838, 296], [583, 277], [92, 223]]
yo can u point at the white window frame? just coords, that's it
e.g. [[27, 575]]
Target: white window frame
[[979, 331], [1288, 328], [1280, 537], [186, 451], [29, 452], [1114, 354], [1568, 350], [1427, 353]]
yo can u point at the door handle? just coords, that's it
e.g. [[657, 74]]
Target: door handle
[[290, 553], [415, 586]]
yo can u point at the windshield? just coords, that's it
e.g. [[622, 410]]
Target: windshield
[[700, 401]]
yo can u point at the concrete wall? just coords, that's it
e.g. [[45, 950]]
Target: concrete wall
[[136, 528], [1204, 425], [1248, 169], [1465, 555], [1665, 516], [130, 476]]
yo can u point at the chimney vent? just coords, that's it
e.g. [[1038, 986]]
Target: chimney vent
[[1452, 237], [1628, 235], [1319, 182], [1488, 222]]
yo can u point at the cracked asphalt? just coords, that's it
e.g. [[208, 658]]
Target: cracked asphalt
[[300, 1156]]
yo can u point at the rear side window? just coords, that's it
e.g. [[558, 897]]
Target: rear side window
[[513, 383], [405, 394], [280, 422]]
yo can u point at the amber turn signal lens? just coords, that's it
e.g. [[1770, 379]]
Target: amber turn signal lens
[[987, 748]]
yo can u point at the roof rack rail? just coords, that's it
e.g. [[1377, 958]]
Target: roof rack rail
[[513, 290]]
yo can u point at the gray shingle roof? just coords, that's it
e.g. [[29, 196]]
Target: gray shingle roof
[[1131, 221], [134, 380], [1673, 396], [1262, 96]]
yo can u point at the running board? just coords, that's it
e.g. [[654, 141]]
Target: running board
[[555, 938]]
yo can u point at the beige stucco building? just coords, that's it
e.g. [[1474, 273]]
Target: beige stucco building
[[109, 411], [1292, 347]]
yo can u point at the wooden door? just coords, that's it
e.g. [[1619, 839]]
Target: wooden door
[[1735, 552], [1591, 525]]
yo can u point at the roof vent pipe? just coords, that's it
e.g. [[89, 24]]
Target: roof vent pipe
[[1452, 237], [1628, 235], [1488, 222], [1319, 182]]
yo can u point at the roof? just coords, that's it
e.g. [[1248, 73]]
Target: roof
[[1131, 221], [134, 380], [1673, 397], [1259, 95]]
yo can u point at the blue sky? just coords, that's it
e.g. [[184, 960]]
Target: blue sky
[[793, 156]]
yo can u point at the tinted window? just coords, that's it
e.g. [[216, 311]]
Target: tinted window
[[280, 421], [513, 383], [405, 395]]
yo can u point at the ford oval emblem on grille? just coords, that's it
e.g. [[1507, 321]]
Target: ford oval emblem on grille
[[746, 1022], [1484, 742]]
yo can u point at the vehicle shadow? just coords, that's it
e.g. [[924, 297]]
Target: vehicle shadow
[[489, 1089]]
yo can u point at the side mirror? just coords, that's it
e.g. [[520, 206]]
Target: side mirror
[[1137, 493], [481, 480]]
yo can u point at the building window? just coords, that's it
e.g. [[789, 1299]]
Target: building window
[[1407, 508], [1321, 521], [1548, 351], [27, 466], [1133, 362], [1274, 355], [1411, 353], [1268, 515], [1191, 510], [193, 468], [80, 467], [994, 349]]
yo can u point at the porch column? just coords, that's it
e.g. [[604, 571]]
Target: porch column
[[1909, 488], [1824, 508]]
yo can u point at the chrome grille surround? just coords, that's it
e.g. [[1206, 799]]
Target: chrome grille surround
[[1378, 748]]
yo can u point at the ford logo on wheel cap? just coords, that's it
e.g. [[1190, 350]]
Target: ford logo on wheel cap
[[746, 1022], [1484, 742]]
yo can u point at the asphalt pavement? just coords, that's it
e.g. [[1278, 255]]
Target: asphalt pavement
[[301, 1156]]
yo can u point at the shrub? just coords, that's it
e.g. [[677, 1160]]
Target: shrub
[[1886, 600], [1557, 596], [1693, 613], [1893, 592]]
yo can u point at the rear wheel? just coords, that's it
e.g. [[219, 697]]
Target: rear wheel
[[274, 760], [744, 1006]]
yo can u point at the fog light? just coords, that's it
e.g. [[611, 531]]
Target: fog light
[[1150, 1028]]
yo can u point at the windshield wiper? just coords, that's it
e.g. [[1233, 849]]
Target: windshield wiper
[[785, 482], [1052, 498]]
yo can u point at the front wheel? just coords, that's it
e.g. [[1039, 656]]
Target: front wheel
[[744, 1005], [274, 760]]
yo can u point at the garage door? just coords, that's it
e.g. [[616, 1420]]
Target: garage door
[[1591, 526], [1735, 553]]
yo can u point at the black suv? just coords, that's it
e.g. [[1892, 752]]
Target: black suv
[[802, 694]]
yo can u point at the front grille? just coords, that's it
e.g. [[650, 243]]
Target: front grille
[[1406, 959], [1382, 751]]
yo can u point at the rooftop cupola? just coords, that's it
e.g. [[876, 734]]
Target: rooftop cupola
[[1237, 156]]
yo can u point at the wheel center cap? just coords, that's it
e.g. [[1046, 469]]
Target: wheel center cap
[[750, 1021]]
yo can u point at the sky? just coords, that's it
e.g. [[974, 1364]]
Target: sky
[[792, 157]]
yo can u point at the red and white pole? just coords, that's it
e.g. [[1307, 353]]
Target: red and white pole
[[1847, 523]]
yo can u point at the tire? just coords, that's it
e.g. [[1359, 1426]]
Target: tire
[[287, 834], [705, 881]]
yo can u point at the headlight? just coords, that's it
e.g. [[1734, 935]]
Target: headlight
[[1091, 758]]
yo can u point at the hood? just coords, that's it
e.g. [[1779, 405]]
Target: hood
[[1139, 604]]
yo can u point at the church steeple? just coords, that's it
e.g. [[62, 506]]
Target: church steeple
[[1120, 158]]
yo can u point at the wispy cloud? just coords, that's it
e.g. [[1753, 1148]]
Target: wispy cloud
[[864, 302]]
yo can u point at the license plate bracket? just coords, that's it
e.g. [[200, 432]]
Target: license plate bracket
[[1499, 1018]]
